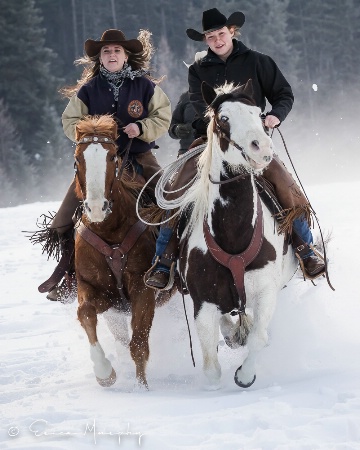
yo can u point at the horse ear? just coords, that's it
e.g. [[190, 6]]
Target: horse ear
[[248, 88], [208, 93]]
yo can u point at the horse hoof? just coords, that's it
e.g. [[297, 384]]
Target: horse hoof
[[140, 386], [239, 383], [230, 343], [109, 381]]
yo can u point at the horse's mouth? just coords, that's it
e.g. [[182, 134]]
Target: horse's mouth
[[258, 166]]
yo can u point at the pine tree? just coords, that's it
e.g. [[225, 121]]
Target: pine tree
[[54, 156], [26, 71], [17, 173]]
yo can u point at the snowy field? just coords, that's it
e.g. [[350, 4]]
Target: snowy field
[[307, 392]]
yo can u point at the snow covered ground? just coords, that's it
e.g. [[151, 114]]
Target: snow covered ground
[[307, 392]]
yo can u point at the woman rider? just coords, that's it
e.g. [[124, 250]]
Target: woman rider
[[115, 81]]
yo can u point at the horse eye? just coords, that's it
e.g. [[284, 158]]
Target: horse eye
[[224, 119], [112, 158], [77, 162]]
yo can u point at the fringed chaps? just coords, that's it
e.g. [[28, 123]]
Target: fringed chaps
[[289, 195]]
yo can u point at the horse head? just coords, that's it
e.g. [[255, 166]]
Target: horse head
[[96, 165], [236, 123]]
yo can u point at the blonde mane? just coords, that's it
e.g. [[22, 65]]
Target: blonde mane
[[102, 125], [198, 193]]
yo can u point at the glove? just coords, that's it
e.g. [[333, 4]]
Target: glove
[[183, 130], [201, 127]]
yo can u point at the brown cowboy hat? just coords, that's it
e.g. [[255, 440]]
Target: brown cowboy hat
[[213, 20], [92, 48]]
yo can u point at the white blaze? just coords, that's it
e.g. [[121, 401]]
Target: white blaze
[[95, 159]]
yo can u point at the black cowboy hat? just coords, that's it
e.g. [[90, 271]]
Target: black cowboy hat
[[92, 48], [213, 20]]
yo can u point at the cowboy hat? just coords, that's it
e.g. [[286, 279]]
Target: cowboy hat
[[92, 48], [213, 20]]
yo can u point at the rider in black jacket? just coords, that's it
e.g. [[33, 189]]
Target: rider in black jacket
[[241, 65], [228, 60]]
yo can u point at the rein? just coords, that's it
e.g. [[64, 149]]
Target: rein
[[312, 209], [126, 157], [229, 180], [222, 134]]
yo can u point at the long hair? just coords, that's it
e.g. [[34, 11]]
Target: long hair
[[92, 65]]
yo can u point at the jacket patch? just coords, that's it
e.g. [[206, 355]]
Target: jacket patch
[[135, 109]]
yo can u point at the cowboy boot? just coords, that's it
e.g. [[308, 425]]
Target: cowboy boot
[[64, 274], [313, 264], [162, 273], [66, 291]]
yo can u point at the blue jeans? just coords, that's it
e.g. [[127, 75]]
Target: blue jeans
[[161, 243], [302, 229]]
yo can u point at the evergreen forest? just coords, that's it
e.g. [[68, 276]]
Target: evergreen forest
[[314, 42]]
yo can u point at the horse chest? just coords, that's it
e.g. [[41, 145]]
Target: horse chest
[[232, 231]]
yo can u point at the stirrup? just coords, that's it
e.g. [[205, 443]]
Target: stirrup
[[171, 276], [302, 266]]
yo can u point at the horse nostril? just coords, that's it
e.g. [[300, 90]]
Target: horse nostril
[[106, 205], [87, 206], [255, 144]]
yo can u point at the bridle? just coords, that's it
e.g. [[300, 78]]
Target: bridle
[[98, 139], [223, 135]]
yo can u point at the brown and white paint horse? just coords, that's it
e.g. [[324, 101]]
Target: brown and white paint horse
[[237, 148], [109, 212]]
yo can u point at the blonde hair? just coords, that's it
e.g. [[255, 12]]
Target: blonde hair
[[92, 64]]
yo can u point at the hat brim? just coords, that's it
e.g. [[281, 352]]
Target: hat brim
[[236, 18], [92, 48]]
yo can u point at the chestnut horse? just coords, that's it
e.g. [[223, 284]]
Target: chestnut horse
[[112, 249], [232, 250]]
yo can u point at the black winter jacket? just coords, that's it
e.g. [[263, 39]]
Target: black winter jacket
[[241, 65]]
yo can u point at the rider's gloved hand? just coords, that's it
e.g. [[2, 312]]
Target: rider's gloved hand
[[183, 130]]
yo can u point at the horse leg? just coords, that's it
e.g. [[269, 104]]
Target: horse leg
[[235, 335], [104, 372], [117, 323], [207, 324], [264, 308], [143, 307]]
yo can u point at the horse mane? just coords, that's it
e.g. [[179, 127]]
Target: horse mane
[[104, 125], [197, 194], [230, 92]]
